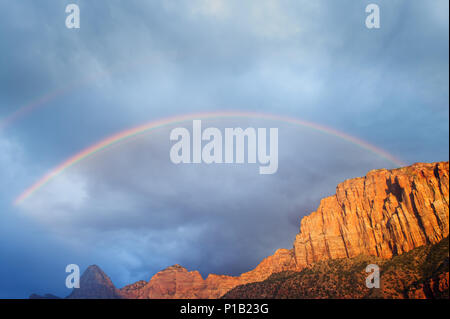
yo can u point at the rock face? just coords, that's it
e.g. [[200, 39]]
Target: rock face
[[132, 290], [95, 284], [386, 213], [171, 283]]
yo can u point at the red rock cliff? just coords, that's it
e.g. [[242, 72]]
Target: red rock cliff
[[385, 213]]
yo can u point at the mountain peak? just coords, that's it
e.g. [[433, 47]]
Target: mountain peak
[[95, 284]]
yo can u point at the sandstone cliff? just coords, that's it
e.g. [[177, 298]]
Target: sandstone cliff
[[386, 213]]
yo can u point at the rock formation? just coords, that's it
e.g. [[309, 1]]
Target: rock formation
[[386, 213]]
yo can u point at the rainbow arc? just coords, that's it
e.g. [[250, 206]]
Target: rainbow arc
[[128, 134]]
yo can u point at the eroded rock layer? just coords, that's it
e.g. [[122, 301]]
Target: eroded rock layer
[[386, 213]]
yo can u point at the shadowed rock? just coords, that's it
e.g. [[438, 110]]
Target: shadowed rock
[[95, 284]]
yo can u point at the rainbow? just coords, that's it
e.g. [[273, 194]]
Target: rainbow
[[43, 100], [28, 108], [127, 134]]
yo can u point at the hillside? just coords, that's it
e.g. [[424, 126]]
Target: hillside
[[420, 273]]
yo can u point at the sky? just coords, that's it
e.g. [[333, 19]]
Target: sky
[[133, 212]]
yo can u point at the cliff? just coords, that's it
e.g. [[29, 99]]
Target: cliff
[[386, 213]]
